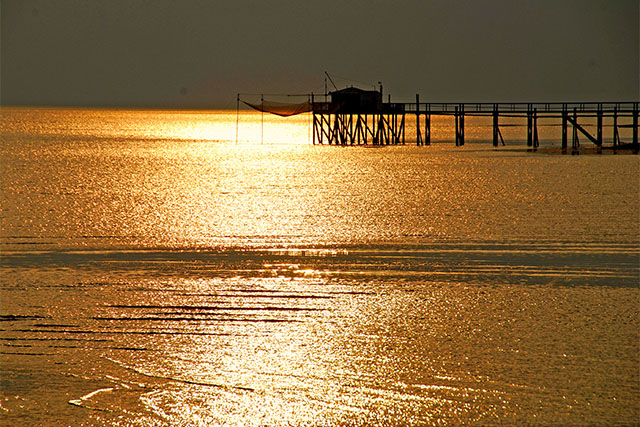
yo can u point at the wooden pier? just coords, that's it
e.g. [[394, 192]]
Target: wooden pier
[[359, 117]]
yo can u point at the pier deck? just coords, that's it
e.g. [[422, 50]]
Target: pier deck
[[384, 124]]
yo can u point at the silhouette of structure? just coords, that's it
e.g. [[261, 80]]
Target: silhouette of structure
[[569, 114], [355, 116]]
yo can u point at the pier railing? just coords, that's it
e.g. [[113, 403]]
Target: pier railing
[[485, 108]]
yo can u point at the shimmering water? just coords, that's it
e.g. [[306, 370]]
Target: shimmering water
[[154, 272]]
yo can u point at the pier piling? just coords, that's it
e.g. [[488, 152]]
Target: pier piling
[[635, 127], [565, 119], [357, 117], [599, 126], [459, 122]]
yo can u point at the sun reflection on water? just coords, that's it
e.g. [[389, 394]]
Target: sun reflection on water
[[189, 280]]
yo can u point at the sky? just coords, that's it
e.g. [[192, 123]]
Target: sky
[[200, 54]]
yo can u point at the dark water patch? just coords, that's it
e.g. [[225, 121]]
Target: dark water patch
[[42, 243], [262, 294], [213, 308], [132, 348], [14, 317], [126, 332], [411, 261], [22, 353], [352, 293], [202, 316], [81, 347], [54, 339], [54, 325], [194, 319]]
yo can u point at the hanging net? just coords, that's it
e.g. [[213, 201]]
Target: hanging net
[[283, 109]]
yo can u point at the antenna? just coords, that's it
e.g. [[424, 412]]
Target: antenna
[[331, 80]]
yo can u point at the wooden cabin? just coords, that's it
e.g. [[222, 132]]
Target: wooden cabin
[[356, 101]]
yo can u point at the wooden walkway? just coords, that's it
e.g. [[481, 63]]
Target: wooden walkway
[[385, 126]]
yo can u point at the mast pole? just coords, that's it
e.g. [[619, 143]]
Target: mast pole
[[237, 115]]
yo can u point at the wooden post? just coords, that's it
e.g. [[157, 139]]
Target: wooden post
[[394, 129], [427, 125], [352, 138], [313, 115], [237, 115], [459, 115], [635, 127], [599, 126], [536, 141], [616, 136], [366, 129], [564, 127], [529, 126], [375, 140], [457, 131], [575, 142], [418, 134], [461, 124], [495, 125]]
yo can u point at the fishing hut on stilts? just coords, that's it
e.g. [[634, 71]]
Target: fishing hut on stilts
[[354, 116]]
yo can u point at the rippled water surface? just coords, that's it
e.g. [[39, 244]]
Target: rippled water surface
[[155, 272]]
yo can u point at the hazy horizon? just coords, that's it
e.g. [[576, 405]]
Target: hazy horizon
[[196, 54]]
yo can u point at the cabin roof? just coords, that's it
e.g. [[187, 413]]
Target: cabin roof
[[351, 91]]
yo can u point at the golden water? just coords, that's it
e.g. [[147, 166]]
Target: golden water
[[156, 272]]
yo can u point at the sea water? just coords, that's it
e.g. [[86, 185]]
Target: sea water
[[159, 268]]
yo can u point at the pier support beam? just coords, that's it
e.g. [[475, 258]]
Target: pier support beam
[[456, 124], [419, 140], [495, 125], [635, 127], [536, 141], [496, 128], [529, 126], [616, 135], [427, 125], [575, 142], [565, 117], [532, 127], [387, 125], [459, 115], [599, 126]]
